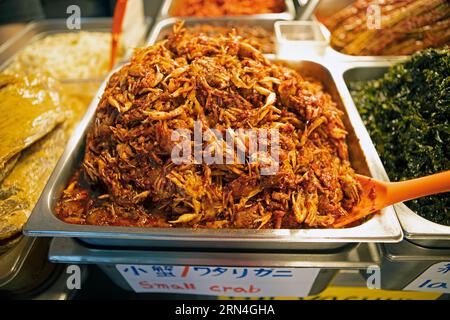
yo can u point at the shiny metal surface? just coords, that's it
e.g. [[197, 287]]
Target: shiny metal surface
[[403, 262], [288, 14], [39, 29], [9, 31], [416, 229], [13, 260], [380, 228], [65, 250], [164, 26], [306, 8], [58, 289], [68, 250], [24, 269]]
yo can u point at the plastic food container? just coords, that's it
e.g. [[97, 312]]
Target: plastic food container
[[299, 40]]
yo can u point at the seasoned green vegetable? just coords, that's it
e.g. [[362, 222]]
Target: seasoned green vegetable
[[407, 114]]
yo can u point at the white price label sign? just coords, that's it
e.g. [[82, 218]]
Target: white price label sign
[[220, 281], [435, 279]]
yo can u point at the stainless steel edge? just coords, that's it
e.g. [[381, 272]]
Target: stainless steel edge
[[422, 231], [416, 229], [166, 23], [288, 14], [43, 222], [67, 250], [58, 289], [12, 260], [403, 262], [38, 29], [408, 251]]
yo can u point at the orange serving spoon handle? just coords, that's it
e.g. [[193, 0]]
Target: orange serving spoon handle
[[377, 194], [119, 13]]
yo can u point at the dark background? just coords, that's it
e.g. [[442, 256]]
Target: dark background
[[14, 11]]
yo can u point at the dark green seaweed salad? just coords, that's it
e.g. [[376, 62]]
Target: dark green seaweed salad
[[407, 114]]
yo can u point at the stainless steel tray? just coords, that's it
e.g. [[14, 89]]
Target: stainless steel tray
[[288, 14], [404, 262], [326, 8], [14, 262], [164, 27], [356, 257], [24, 269], [39, 29], [66, 250], [381, 228], [417, 229]]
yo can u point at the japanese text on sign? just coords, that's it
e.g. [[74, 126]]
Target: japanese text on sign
[[435, 279], [215, 280]]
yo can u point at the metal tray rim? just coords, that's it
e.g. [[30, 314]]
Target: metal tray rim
[[358, 257], [43, 222], [162, 23], [288, 14], [23, 249], [409, 219]]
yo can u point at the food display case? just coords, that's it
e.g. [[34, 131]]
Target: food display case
[[402, 245]]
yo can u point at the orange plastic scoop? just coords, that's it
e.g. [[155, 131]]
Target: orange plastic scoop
[[119, 13], [377, 194]]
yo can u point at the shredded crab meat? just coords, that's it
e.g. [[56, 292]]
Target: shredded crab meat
[[128, 178]]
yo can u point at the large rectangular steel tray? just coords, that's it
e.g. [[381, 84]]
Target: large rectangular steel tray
[[164, 27], [417, 229], [381, 228], [288, 14]]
